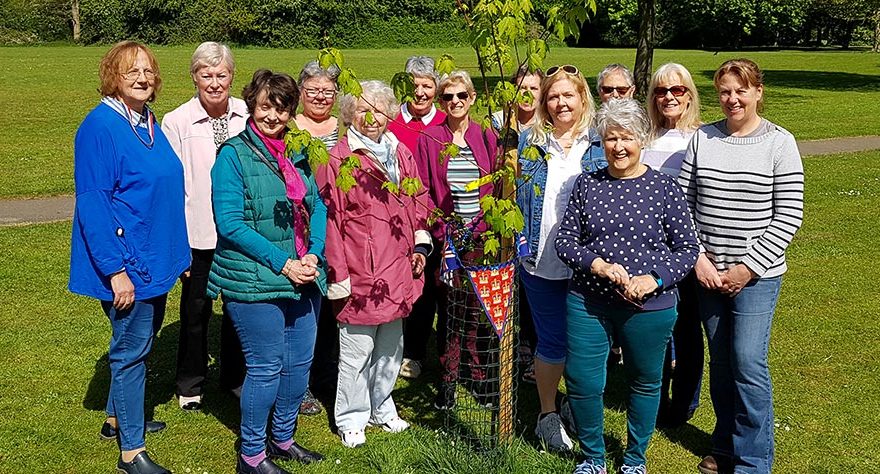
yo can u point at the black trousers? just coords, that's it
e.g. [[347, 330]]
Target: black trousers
[[417, 327], [680, 392], [192, 350]]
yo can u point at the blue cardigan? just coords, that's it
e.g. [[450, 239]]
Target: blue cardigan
[[129, 211]]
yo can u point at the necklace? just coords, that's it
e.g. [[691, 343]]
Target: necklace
[[149, 126]]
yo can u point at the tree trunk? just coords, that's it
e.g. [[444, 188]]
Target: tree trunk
[[876, 47], [645, 47], [74, 18]]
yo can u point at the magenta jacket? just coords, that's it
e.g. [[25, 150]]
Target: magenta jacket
[[483, 144], [371, 235]]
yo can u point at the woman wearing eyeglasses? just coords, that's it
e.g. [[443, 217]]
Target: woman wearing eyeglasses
[[318, 90], [317, 94], [195, 130], [446, 179], [744, 181], [628, 237], [566, 147], [129, 243], [674, 110]]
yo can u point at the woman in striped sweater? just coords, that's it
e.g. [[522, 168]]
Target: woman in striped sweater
[[744, 182]]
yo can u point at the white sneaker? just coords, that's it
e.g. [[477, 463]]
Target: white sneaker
[[551, 432], [190, 403], [410, 368], [394, 425], [353, 439]]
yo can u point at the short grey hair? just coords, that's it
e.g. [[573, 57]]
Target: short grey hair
[[312, 70], [627, 114], [377, 93], [457, 77], [616, 67], [422, 66], [211, 54]]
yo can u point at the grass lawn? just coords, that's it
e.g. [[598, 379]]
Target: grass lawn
[[824, 358], [46, 92]]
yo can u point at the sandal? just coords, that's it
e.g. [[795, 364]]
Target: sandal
[[528, 375]]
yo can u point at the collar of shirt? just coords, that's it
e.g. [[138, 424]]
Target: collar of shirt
[[197, 112], [136, 119], [407, 117], [581, 144]]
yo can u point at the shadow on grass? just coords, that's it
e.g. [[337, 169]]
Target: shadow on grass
[[832, 81]]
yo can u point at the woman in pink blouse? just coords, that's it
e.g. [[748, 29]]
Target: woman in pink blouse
[[195, 130]]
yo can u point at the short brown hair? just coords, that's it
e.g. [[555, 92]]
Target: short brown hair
[[746, 70], [280, 87], [118, 60]]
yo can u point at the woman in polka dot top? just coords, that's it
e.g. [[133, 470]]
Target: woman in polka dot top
[[628, 237]]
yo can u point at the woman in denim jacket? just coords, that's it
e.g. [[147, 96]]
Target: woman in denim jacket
[[566, 147]]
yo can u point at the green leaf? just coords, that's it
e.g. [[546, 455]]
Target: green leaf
[[449, 151], [487, 203], [295, 140], [330, 57], [411, 185], [391, 187], [403, 86], [435, 216], [475, 184], [491, 246], [531, 153], [537, 190], [369, 118], [317, 153], [348, 83], [445, 65]]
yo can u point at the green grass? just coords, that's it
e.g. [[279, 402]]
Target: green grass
[[824, 359], [46, 92]]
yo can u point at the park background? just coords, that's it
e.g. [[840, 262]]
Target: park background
[[821, 82]]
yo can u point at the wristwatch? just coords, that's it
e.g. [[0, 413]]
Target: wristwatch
[[657, 279]]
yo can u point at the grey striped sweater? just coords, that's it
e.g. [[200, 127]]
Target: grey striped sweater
[[746, 195]]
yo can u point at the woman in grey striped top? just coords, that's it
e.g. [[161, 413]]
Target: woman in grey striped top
[[744, 182]]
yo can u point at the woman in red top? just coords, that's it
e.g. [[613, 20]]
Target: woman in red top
[[377, 241]]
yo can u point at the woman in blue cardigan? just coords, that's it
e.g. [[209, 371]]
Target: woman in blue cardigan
[[129, 242], [269, 267]]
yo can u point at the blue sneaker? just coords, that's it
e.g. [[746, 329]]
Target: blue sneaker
[[640, 469], [587, 467]]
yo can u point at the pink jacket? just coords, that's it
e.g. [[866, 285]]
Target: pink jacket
[[483, 144], [190, 133], [371, 234]]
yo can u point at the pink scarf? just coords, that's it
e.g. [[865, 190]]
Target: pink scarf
[[293, 183]]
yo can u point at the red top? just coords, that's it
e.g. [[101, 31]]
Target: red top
[[371, 235], [408, 132]]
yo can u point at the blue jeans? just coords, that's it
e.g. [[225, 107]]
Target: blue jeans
[[130, 343], [738, 331], [546, 299], [643, 336], [278, 340]]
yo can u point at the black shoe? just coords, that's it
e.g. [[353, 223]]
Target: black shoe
[[108, 432], [310, 405], [445, 399], [141, 464], [191, 406], [265, 467], [294, 453]]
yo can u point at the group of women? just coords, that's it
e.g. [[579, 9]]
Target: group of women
[[641, 226]]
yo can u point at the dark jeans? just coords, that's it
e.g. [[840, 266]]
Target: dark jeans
[[417, 327], [325, 366], [680, 393], [192, 349]]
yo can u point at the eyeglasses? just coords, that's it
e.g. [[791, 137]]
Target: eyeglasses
[[567, 68], [621, 90], [677, 91], [461, 96], [134, 74], [327, 93]]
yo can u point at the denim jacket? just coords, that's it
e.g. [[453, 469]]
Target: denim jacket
[[533, 174]]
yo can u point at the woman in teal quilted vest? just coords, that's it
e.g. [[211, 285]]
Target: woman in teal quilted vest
[[269, 268]]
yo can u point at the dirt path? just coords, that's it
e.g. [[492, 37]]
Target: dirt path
[[60, 208]]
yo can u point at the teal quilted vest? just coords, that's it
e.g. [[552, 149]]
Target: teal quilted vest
[[268, 211]]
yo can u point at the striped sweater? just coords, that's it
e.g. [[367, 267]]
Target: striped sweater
[[746, 195]]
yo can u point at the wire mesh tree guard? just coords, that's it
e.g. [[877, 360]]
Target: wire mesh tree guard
[[479, 365]]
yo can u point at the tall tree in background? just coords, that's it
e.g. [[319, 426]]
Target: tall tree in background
[[74, 19], [645, 47]]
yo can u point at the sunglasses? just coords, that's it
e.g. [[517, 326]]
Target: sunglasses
[[447, 97], [567, 68], [620, 90], [677, 91]]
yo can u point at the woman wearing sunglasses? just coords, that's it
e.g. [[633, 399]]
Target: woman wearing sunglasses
[[628, 238], [744, 181], [674, 110], [447, 179], [567, 147]]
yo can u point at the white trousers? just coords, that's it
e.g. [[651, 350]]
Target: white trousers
[[369, 360]]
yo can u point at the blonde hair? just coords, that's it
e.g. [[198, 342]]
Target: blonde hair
[[690, 118], [118, 60], [456, 77], [538, 135]]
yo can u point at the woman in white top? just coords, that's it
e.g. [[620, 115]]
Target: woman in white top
[[674, 110]]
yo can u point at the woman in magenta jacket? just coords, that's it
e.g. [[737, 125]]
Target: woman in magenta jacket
[[377, 241]]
